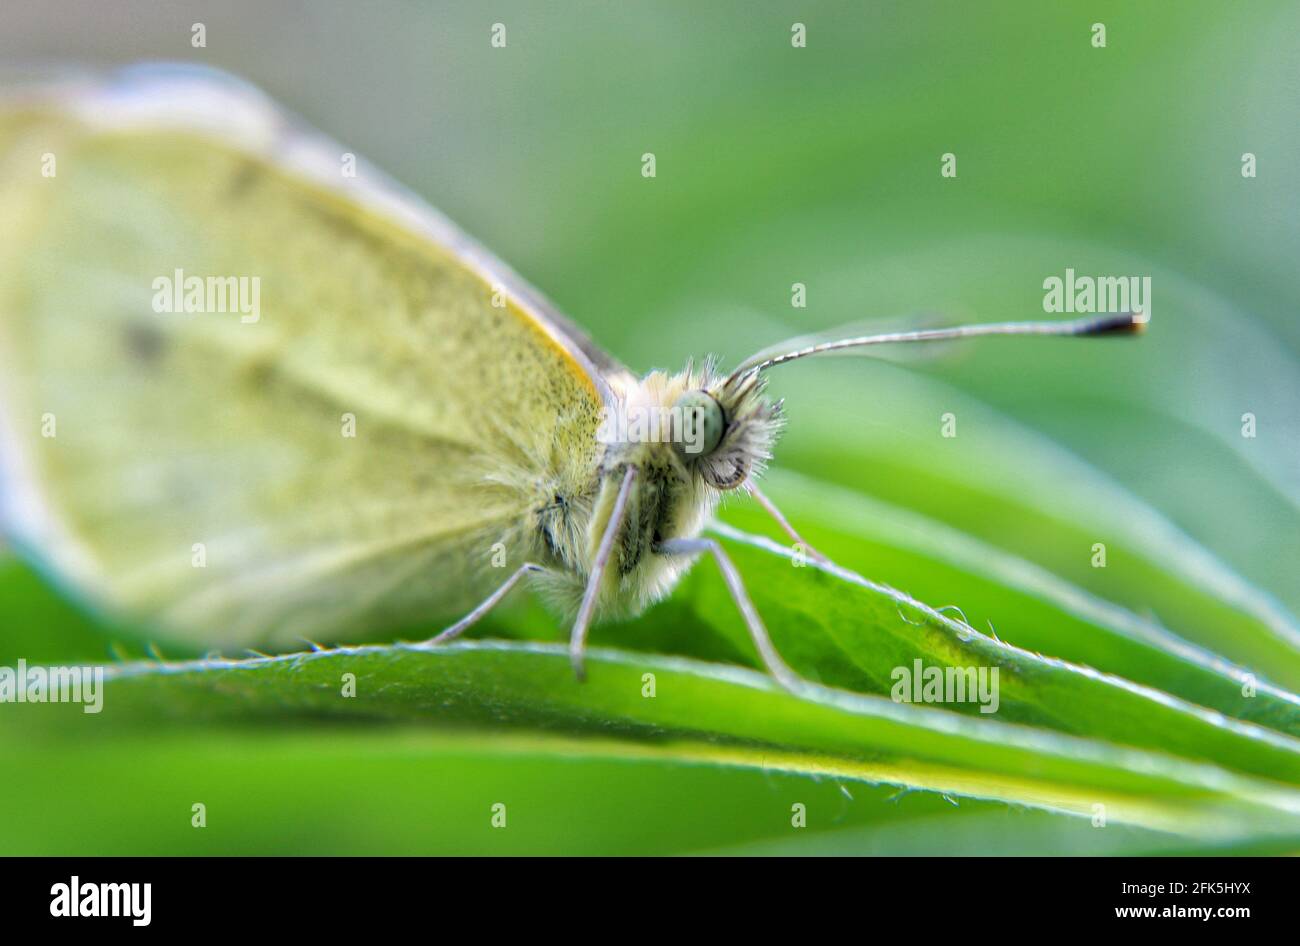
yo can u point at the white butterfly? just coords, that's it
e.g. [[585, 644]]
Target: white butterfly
[[402, 414]]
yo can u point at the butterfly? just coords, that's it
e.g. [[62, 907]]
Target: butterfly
[[252, 392]]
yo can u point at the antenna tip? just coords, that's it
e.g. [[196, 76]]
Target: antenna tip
[[1128, 323]]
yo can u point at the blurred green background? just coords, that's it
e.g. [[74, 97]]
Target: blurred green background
[[779, 165]]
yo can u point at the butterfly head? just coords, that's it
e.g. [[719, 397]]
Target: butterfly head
[[713, 429], [727, 426]]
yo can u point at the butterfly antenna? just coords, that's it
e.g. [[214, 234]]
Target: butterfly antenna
[[1126, 323]]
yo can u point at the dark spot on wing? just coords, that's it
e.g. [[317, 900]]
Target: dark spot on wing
[[144, 342], [259, 372], [244, 179]]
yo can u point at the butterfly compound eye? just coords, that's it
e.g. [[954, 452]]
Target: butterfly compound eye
[[698, 424]]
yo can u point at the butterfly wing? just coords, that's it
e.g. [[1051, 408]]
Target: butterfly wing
[[335, 453]]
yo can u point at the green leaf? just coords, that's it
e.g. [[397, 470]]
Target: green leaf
[[1018, 601], [700, 714], [396, 789]]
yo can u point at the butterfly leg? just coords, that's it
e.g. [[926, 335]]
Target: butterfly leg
[[771, 659], [469, 620], [783, 522], [578, 637]]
